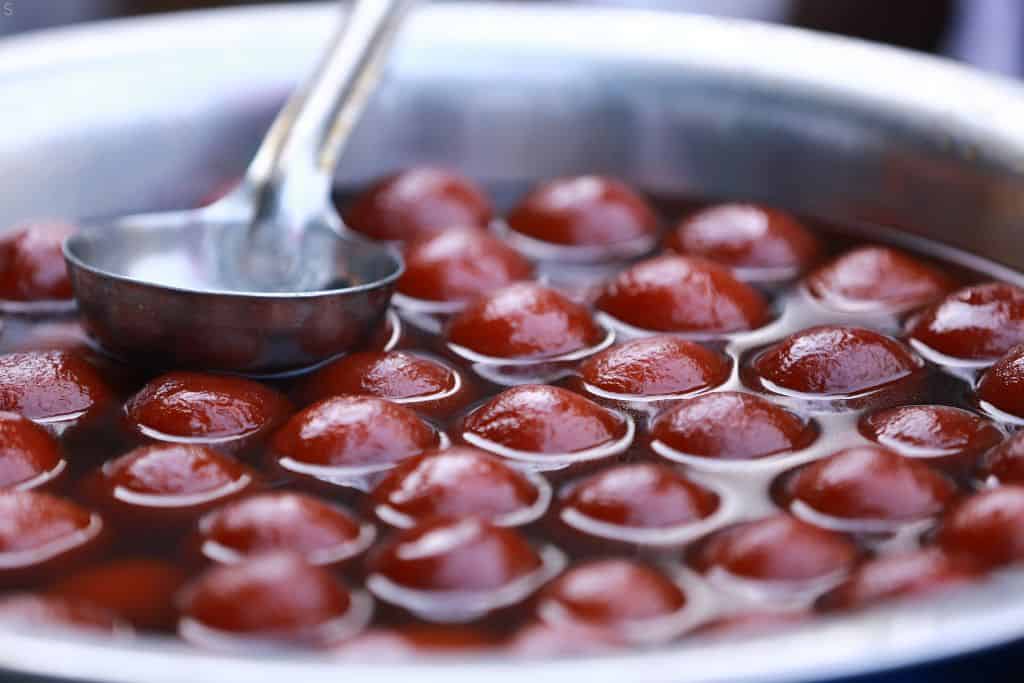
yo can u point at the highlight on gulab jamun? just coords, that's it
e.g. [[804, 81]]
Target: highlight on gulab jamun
[[1002, 385], [977, 324], [942, 435], [30, 457], [32, 265]]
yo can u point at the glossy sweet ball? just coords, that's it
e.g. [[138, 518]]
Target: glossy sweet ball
[[141, 591], [32, 263], [42, 535], [610, 593], [460, 264], [525, 320], [417, 381], [832, 361], [585, 210], [353, 431], [915, 573], [934, 432], [642, 496], [1006, 462], [731, 425], [165, 487], [273, 597], [779, 548], [746, 236], [187, 405], [50, 385], [33, 610], [1002, 385], [870, 483], [988, 526], [539, 418], [456, 554], [878, 278], [655, 366], [416, 202], [282, 521], [458, 481], [980, 322], [683, 294], [29, 455]]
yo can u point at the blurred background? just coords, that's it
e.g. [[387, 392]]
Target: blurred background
[[985, 33]]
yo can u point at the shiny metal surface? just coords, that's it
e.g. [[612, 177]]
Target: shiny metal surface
[[678, 104], [265, 279]]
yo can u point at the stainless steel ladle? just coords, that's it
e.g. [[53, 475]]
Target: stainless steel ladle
[[266, 280]]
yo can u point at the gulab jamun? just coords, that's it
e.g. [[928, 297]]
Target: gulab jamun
[[939, 434], [142, 591], [977, 323], [612, 593], [350, 433], [730, 425], [683, 294], [459, 481], [524, 321], [587, 210], [868, 483], [654, 366], [460, 264], [50, 386], [282, 521], [229, 412], [32, 263], [831, 360], [988, 526], [1002, 385], [275, 598], [747, 237], [419, 382], [778, 548], [163, 488], [875, 278], [545, 420], [29, 455], [416, 202], [1005, 463], [42, 536], [913, 573]]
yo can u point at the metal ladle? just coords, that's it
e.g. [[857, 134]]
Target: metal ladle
[[267, 280]]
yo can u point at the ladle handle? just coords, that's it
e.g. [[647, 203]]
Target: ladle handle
[[290, 177]]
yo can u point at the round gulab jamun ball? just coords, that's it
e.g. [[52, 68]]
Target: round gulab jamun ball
[[1005, 463], [32, 263], [868, 483], [730, 425], [419, 382], [416, 202], [231, 412], [43, 537], [1002, 385], [52, 386], [276, 598], [938, 434], [349, 433], [977, 323], [30, 457], [875, 278], [612, 593], [835, 361], [164, 488], [747, 237], [781, 548], [988, 526], [914, 573], [653, 366], [460, 264], [282, 521], [524, 321], [584, 211], [683, 294], [543, 420], [458, 481]]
